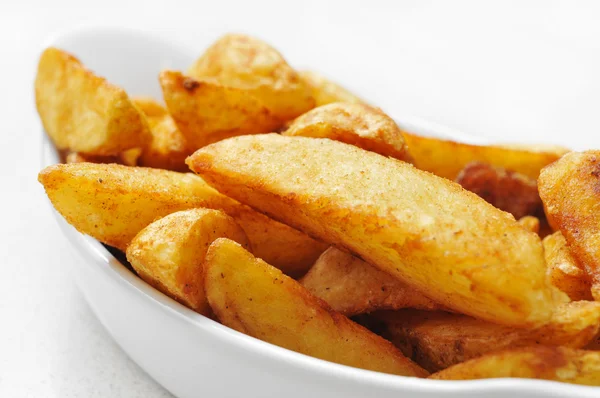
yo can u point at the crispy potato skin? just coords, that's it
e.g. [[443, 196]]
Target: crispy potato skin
[[113, 203], [208, 112], [570, 191], [437, 340], [83, 112], [355, 124], [530, 223], [351, 286], [167, 149], [447, 158], [538, 362], [169, 253], [505, 189], [563, 270], [429, 232], [255, 298], [247, 63], [324, 91]]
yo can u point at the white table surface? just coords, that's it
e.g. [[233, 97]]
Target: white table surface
[[523, 71]]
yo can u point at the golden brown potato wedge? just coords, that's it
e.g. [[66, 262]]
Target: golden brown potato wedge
[[255, 298], [437, 340], [113, 203], [355, 124], [447, 158], [351, 286], [208, 112], [167, 147], [538, 362], [563, 270], [247, 63], [530, 223], [570, 190], [82, 112], [324, 91], [169, 253], [427, 231], [505, 189]]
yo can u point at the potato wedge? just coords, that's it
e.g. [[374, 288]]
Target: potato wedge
[[113, 203], [255, 298], [82, 112], [437, 340], [167, 147], [169, 253], [570, 191], [351, 286], [324, 91], [247, 63], [424, 230], [530, 223], [538, 362], [355, 124], [505, 189], [208, 112], [447, 158], [563, 270]]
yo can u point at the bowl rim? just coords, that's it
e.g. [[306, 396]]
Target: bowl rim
[[104, 261]]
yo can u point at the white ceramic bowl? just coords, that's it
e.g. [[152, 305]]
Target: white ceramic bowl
[[191, 355]]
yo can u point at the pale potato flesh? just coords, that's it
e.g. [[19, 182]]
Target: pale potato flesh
[[424, 230], [169, 253], [570, 191], [83, 112], [326, 91], [351, 286], [437, 340], [255, 298], [538, 362], [112, 203], [355, 124]]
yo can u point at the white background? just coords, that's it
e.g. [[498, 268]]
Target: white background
[[523, 71]]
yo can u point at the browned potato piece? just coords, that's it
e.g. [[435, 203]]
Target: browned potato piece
[[570, 190], [563, 270], [169, 253], [208, 112], [505, 189], [436, 340], [113, 203], [355, 124], [167, 148], [128, 158], [424, 230], [255, 298], [447, 158], [351, 286], [325, 91], [249, 64], [538, 362], [530, 223], [83, 112]]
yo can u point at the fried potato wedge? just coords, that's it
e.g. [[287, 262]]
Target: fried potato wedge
[[570, 191], [355, 124], [113, 203], [255, 298], [538, 362], [530, 223], [351, 286], [208, 112], [169, 253], [505, 189], [563, 270], [249, 64], [167, 147], [437, 340], [324, 91], [82, 112], [447, 158], [424, 230]]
